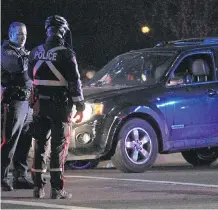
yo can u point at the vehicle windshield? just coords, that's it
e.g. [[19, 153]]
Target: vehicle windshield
[[133, 69]]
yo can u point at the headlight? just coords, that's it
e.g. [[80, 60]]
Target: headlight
[[91, 109], [88, 112]]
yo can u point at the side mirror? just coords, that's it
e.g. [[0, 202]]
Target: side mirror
[[187, 79], [176, 81]]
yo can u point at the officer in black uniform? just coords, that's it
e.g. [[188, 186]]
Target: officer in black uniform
[[16, 113], [57, 87]]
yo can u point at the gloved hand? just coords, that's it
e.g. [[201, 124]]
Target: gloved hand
[[78, 117]]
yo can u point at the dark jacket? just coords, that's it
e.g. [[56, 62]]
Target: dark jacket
[[53, 69], [14, 65]]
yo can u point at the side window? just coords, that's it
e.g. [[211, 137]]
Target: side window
[[193, 69]]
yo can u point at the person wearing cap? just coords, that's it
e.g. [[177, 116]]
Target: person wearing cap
[[16, 113], [57, 87]]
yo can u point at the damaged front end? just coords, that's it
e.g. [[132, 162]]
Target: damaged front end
[[92, 138]]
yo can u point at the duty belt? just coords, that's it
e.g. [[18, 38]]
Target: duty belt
[[54, 98], [44, 97], [15, 93]]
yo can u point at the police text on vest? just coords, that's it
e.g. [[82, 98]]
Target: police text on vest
[[42, 55]]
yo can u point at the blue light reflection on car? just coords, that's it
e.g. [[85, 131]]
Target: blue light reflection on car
[[136, 109], [159, 105], [167, 104]]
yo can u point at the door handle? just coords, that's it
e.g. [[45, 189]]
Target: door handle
[[211, 92]]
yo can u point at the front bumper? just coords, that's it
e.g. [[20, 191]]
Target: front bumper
[[100, 130]]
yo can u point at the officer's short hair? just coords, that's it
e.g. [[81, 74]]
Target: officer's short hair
[[14, 25]]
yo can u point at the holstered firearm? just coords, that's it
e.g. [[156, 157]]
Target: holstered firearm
[[12, 93]]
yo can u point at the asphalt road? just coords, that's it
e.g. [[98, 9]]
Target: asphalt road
[[160, 187]]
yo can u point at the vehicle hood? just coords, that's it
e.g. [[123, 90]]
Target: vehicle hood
[[110, 91]]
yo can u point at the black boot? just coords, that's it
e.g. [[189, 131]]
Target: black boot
[[60, 194], [38, 192], [6, 186], [22, 183]]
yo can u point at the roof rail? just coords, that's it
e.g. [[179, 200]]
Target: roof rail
[[191, 41], [211, 40]]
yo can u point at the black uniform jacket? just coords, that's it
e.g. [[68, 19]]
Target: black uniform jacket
[[14, 65], [53, 68]]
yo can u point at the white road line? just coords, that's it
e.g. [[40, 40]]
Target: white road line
[[46, 205], [146, 181]]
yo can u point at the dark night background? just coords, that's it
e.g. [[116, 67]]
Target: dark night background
[[102, 29]]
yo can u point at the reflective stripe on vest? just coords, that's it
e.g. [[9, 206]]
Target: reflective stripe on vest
[[38, 170], [61, 80], [56, 169]]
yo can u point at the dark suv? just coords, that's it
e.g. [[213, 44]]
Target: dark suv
[[157, 100]]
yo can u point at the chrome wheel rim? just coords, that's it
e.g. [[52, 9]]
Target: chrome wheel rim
[[138, 145]]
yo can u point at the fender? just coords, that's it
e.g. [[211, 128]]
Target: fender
[[121, 114]]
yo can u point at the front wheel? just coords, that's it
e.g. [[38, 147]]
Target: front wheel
[[200, 157], [137, 147]]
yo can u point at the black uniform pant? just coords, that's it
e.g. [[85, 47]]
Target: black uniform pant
[[51, 124], [16, 138]]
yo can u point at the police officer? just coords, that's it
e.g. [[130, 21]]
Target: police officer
[[16, 113], [57, 87]]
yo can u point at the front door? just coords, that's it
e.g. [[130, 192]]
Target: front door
[[195, 102]]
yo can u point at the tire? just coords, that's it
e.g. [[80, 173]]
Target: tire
[[81, 164], [200, 157], [132, 156]]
